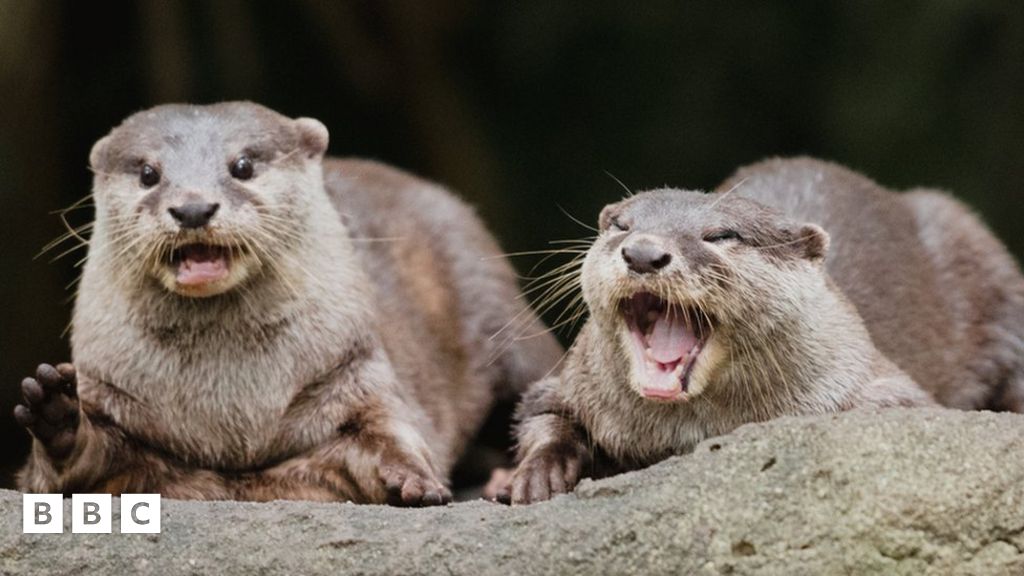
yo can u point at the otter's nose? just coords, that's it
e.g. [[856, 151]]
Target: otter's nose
[[644, 257], [194, 214]]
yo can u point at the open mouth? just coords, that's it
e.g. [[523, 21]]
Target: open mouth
[[197, 265], [666, 341]]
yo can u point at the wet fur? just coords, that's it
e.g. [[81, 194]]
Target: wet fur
[[359, 351]]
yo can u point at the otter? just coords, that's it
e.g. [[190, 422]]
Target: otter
[[256, 322], [707, 311]]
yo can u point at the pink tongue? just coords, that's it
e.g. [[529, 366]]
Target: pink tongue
[[670, 340], [201, 265]]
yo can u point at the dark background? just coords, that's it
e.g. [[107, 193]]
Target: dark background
[[521, 107]]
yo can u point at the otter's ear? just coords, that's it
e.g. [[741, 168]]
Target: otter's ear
[[607, 213], [98, 154], [313, 136], [812, 242]]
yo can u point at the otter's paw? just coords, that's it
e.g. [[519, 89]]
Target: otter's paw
[[500, 477], [50, 410], [408, 486], [542, 474]]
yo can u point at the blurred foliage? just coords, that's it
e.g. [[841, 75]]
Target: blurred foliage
[[522, 107]]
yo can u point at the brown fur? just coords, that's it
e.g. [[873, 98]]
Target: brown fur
[[784, 340], [938, 292], [349, 357]]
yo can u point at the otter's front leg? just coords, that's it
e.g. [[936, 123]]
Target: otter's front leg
[[381, 441], [375, 456], [74, 451], [69, 452], [386, 456], [552, 451]]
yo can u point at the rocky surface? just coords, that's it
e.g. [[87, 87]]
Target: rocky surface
[[897, 492]]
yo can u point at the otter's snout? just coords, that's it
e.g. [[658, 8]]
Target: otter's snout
[[194, 214], [645, 257]]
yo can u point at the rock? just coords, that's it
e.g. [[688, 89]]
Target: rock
[[894, 492]]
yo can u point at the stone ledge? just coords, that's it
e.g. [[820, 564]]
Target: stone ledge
[[894, 492]]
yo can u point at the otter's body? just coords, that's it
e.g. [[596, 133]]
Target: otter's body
[[706, 312], [324, 335], [940, 295]]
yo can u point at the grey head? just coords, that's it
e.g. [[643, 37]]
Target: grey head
[[670, 268], [199, 198]]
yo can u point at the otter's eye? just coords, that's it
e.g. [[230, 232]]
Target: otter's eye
[[241, 168], [722, 236], [149, 176], [618, 225]]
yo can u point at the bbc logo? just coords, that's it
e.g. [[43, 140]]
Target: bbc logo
[[90, 513]]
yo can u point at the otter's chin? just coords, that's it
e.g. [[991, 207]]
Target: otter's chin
[[204, 270], [665, 342]]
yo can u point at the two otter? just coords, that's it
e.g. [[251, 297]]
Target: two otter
[[708, 311], [257, 322]]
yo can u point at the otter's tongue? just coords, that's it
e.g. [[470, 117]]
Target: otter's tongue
[[666, 341], [667, 349], [201, 264], [670, 340]]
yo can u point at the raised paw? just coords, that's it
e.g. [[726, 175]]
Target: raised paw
[[407, 486], [50, 408], [542, 474]]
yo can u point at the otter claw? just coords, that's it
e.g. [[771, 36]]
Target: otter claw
[[541, 476], [50, 409], [406, 487]]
